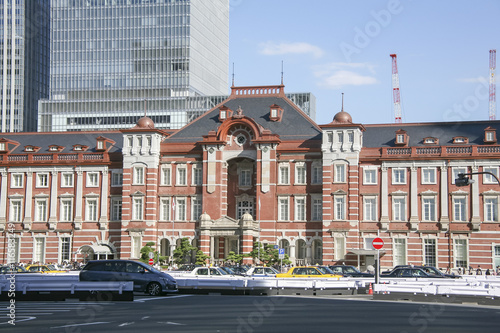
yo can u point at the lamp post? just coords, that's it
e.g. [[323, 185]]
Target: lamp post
[[462, 180]]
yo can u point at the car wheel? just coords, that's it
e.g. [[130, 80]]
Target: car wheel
[[154, 289]]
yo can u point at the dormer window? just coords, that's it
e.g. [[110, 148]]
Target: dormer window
[[55, 148], [224, 113], [460, 140], [401, 138], [490, 135], [31, 149], [276, 113], [3, 146], [431, 141], [80, 148], [101, 143]]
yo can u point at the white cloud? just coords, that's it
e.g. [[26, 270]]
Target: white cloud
[[271, 48], [340, 74], [479, 79]]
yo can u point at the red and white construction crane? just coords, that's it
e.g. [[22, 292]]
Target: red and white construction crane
[[395, 89], [493, 88]]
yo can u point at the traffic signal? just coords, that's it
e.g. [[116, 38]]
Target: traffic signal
[[462, 180]]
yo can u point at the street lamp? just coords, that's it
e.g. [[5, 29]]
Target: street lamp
[[462, 180]]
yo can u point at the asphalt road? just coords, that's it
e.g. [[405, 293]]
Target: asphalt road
[[207, 313]]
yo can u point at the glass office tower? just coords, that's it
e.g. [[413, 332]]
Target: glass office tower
[[114, 60], [24, 62]]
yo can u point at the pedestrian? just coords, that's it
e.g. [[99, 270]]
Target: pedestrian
[[488, 272], [478, 270]]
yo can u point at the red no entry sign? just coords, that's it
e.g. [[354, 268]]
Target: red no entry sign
[[151, 261], [377, 243]]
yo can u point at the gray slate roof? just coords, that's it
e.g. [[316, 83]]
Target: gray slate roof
[[295, 125], [64, 139], [384, 135]]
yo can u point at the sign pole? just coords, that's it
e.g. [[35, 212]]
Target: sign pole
[[377, 269]]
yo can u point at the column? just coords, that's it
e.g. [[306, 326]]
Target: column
[[53, 200], [79, 199], [292, 253], [3, 200], [103, 219], [475, 197], [308, 254], [384, 199], [414, 198], [28, 202], [445, 219]]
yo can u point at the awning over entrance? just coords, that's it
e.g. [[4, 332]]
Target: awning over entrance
[[96, 249]]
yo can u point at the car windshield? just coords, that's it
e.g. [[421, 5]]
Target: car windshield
[[432, 270], [325, 270], [52, 267], [350, 269]]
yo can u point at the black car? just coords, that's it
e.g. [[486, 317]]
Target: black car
[[408, 272], [146, 278], [348, 271], [432, 271]]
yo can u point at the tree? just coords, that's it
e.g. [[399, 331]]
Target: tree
[[268, 255], [183, 251], [201, 258], [146, 250], [236, 258]]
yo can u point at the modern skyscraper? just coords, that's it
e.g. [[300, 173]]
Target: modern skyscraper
[[24, 62], [113, 59]]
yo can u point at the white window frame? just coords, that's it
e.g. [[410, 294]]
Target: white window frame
[[316, 207], [67, 179], [429, 176], [316, 173], [284, 173], [181, 175], [39, 251], [456, 171], [16, 210], [93, 179], [490, 203], [397, 173], [372, 179], [166, 175], [487, 178], [138, 175], [135, 246], [91, 209], [64, 255], [370, 208], [300, 211], [137, 208], [340, 173], [116, 208], [197, 175], [465, 256], [430, 242], [283, 208], [462, 207], [339, 207], [402, 214], [116, 178], [429, 208], [399, 258], [300, 173], [196, 208], [66, 215], [180, 209], [42, 179], [339, 249], [165, 208], [17, 180], [41, 210], [245, 177]]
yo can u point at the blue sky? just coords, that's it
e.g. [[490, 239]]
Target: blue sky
[[331, 46]]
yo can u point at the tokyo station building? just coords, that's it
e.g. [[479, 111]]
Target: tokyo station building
[[255, 167]]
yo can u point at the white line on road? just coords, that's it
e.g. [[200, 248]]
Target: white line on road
[[84, 324], [126, 324], [156, 298], [170, 323]]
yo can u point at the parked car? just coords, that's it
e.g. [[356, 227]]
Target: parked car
[[349, 271], [408, 272], [44, 269], [239, 270], [7, 269], [187, 267], [210, 271], [306, 272], [261, 271], [433, 271], [146, 278]]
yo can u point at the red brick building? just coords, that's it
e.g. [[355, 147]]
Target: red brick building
[[255, 167]]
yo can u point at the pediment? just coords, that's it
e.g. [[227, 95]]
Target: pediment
[[226, 222]]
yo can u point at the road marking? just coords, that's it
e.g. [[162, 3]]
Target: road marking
[[18, 320], [84, 324], [126, 324], [170, 323], [141, 300]]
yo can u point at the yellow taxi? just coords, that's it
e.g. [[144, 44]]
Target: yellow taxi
[[43, 269], [320, 272]]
